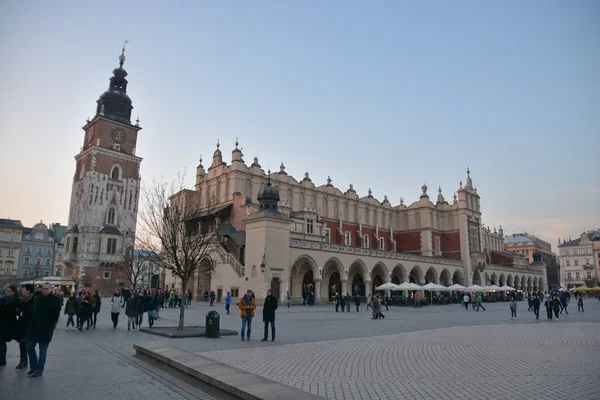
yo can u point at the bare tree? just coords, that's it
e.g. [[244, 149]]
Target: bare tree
[[172, 224], [133, 266]]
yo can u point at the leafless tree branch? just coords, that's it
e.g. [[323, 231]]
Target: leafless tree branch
[[169, 225]]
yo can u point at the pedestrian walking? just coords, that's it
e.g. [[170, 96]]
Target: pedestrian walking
[[466, 301], [227, 302], [536, 306], [564, 304], [247, 306], [213, 296], [548, 304], [116, 305], [131, 311], [269, 316], [46, 310], [288, 299], [556, 306], [357, 302], [71, 310], [479, 301], [348, 301], [24, 322], [513, 308], [580, 303], [9, 306], [97, 306], [342, 301]]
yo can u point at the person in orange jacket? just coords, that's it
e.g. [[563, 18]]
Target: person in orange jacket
[[247, 306]]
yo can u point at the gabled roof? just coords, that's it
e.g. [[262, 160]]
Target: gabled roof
[[223, 211], [238, 237], [110, 230]]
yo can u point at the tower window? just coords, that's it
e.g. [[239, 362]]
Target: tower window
[[111, 246], [115, 173], [117, 147], [111, 216]]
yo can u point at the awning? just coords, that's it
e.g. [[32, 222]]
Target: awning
[[223, 211]]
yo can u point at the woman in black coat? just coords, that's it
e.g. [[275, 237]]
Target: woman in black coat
[[8, 320], [24, 322]]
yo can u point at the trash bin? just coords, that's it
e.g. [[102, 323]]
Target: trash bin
[[213, 320]]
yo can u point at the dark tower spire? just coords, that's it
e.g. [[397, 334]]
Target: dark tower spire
[[114, 103]]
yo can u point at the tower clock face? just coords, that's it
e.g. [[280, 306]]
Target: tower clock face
[[118, 135]]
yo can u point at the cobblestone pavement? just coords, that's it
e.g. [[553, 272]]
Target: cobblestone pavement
[[93, 365], [494, 362], [311, 339]]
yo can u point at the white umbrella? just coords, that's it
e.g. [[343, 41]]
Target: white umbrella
[[434, 287], [387, 286], [456, 288], [475, 288], [408, 286], [507, 288]]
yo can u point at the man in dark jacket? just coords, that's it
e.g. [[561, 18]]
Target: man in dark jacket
[[24, 322], [8, 320], [269, 316], [46, 311]]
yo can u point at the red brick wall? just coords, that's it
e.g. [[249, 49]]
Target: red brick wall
[[408, 242], [451, 245]]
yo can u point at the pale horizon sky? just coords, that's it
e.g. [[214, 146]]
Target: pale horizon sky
[[386, 95]]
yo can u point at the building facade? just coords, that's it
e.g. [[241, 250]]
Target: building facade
[[526, 245], [37, 253], [321, 240], [577, 261], [144, 262], [11, 232], [105, 191]]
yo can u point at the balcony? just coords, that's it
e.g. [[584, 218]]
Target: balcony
[[106, 258], [588, 267]]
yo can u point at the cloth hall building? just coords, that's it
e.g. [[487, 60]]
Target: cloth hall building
[[319, 240]]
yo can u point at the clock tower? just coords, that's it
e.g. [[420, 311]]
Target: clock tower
[[105, 191]]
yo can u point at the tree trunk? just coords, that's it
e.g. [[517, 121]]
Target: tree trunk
[[182, 306]]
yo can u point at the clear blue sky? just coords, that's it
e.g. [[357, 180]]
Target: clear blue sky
[[386, 95]]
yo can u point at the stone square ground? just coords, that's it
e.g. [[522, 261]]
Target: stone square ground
[[428, 353]]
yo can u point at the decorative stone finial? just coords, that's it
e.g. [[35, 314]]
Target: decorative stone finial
[[401, 201], [282, 169], [351, 187], [236, 143], [370, 193], [102, 109], [440, 198], [469, 180], [255, 163], [200, 165], [329, 181], [461, 184], [137, 121], [218, 144], [306, 177], [122, 56], [385, 199], [87, 120], [424, 189], [454, 197]]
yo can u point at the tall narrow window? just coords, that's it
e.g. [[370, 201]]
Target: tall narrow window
[[348, 239], [310, 226], [381, 243], [327, 235], [474, 236], [438, 246], [111, 216], [366, 241], [115, 172], [75, 243], [111, 246]]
